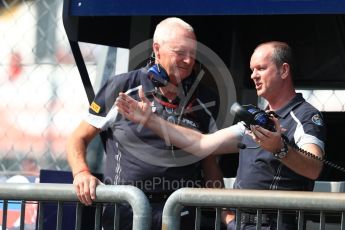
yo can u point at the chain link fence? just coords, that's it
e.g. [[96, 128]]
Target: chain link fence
[[41, 93], [326, 100]]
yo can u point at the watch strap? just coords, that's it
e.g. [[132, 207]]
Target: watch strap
[[281, 153]]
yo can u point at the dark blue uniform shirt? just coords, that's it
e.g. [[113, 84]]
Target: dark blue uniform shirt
[[134, 154], [259, 169]]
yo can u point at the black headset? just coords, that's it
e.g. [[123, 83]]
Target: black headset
[[157, 74]]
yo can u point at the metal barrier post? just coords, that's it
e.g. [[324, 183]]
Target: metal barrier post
[[241, 198], [65, 192]]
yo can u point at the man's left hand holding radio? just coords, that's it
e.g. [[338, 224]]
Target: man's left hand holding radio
[[270, 141]]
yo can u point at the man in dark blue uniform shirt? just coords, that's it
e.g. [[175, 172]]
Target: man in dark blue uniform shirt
[[273, 165], [137, 156]]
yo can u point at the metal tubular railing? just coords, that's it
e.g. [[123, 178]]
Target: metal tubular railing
[[98, 215], [59, 215], [78, 216], [22, 215], [256, 199], [65, 192], [4, 214]]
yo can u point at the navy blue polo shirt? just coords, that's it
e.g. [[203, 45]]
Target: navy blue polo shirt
[[137, 156], [259, 169]]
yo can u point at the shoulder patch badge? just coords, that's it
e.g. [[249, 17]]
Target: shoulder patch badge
[[96, 108], [317, 120]]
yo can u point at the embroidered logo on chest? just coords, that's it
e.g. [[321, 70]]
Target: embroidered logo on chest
[[190, 123]]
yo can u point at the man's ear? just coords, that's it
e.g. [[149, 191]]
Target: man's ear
[[155, 48], [285, 70]]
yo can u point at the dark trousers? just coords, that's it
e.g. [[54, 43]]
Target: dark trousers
[[288, 223], [126, 217], [284, 226]]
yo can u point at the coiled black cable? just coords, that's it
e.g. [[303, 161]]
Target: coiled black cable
[[308, 154]]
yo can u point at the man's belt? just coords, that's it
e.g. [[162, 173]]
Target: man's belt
[[250, 218], [157, 197]]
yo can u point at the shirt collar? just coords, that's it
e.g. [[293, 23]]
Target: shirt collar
[[148, 87], [294, 102]]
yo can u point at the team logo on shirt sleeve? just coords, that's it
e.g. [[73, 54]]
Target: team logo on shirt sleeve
[[94, 107], [317, 120]]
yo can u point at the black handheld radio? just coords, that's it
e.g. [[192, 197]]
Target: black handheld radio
[[252, 115]]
